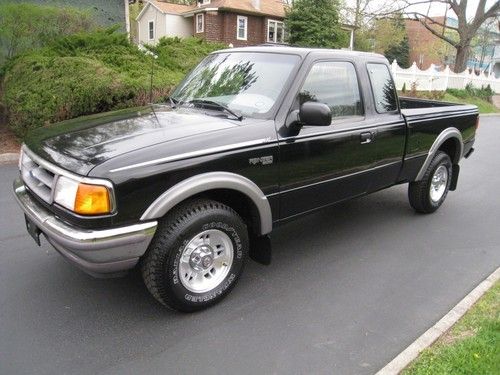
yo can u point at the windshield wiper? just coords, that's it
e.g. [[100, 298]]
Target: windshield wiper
[[215, 104]]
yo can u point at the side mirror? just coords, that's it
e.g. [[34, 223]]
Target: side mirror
[[315, 114]]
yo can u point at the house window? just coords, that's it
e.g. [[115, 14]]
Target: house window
[[200, 23], [275, 32], [151, 29], [203, 2], [242, 28]]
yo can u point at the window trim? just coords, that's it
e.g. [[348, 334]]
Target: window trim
[[397, 110], [151, 30], [359, 118], [269, 20], [238, 18], [202, 30]]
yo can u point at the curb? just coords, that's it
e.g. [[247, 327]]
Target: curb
[[489, 114], [437, 330], [9, 157]]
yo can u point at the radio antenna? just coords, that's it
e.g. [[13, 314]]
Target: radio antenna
[[153, 58]]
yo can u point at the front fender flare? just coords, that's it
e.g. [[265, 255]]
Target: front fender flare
[[210, 181]]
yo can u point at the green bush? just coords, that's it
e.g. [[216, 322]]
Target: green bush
[[92, 72], [470, 91], [27, 26]]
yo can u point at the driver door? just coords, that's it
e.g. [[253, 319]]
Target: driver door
[[322, 165]]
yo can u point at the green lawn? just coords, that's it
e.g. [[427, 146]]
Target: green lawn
[[483, 105], [471, 347]]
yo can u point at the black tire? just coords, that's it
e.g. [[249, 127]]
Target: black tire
[[419, 191], [160, 267]]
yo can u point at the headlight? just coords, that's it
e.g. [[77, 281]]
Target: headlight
[[84, 199]]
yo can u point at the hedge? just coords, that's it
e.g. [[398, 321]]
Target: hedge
[[92, 72]]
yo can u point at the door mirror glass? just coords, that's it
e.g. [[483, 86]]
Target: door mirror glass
[[315, 114]]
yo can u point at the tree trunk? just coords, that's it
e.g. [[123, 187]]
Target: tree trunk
[[461, 59]]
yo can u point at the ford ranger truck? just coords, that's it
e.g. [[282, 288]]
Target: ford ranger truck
[[252, 138]]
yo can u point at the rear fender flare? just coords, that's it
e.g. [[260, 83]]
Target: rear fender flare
[[448, 133]]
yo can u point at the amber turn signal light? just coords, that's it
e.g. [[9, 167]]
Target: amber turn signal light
[[92, 200]]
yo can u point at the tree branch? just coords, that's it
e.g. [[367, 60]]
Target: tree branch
[[433, 21], [438, 34]]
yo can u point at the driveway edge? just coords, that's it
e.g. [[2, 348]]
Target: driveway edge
[[9, 157], [404, 358]]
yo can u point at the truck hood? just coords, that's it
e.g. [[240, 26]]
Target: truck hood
[[78, 145]]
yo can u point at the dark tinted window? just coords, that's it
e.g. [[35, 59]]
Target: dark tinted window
[[334, 84], [383, 88]]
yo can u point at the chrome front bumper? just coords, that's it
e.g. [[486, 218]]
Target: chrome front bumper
[[101, 253]]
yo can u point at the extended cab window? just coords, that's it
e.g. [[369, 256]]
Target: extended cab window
[[383, 88], [334, 84]]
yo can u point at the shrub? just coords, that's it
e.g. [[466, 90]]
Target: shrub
[[92, 72], [28, 26], [484, 93]]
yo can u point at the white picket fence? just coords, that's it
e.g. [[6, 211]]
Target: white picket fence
[[433, 80]]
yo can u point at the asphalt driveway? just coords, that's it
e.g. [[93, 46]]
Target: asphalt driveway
[[348, 289]]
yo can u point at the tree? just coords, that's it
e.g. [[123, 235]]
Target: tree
[[365, 15], [466, 29], [483, 44], [386, 36], [315, 23], [399, 52]]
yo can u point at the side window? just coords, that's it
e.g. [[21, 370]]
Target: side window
[[151, 29], [383, 88], [334, 84]]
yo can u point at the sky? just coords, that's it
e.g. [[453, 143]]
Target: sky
[[436, 8]]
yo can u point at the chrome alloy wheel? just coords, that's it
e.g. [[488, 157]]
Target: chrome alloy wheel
[[206, 261], [438, 183]]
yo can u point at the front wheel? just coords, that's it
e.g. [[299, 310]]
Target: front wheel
[[428, 194], [196, 256]]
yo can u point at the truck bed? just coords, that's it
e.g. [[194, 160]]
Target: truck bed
[[425, 120]]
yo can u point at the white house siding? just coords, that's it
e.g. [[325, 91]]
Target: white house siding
[[151, 14], [165, 25], [179, 26]]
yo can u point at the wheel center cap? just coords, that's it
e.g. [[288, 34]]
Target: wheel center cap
[[201, 258], [206, 261]]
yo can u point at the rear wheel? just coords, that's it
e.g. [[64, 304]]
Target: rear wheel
[[197, 255], [428, 194]]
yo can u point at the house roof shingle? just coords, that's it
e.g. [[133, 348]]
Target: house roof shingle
[[171, 8], [274, 8], [267, 7]]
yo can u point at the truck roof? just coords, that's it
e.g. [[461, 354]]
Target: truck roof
[[304, 51]]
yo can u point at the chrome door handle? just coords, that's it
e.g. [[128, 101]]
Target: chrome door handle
[[366, 138]]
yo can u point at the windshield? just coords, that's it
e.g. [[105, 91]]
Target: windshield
[[246, 83]]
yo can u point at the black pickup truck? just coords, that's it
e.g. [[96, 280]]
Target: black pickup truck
[[252, 138]]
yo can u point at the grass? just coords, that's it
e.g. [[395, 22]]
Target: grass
[[472, 346], [458, 96], [483, 105]]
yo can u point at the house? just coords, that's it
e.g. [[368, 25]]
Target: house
[[235, 22], [158, 19], [425, 47]]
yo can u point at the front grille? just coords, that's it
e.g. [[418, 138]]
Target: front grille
[[38, 179]]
